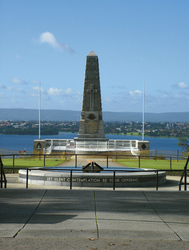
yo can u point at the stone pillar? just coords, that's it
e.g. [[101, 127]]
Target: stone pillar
[[91, 123], [39, 146], [143, 145]]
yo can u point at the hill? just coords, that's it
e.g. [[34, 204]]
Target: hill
[[70, 115]]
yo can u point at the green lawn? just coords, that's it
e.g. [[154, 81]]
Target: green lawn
[[27, 162], [30, 162], [153, 164]]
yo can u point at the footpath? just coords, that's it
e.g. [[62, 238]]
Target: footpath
[[47, 217]]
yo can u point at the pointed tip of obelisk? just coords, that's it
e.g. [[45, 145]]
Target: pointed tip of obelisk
[[92, 54]]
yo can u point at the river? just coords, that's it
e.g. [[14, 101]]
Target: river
[[21, 142]]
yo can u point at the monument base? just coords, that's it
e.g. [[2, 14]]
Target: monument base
[[104, 179], [76, 139], [91, 145], [39, 146]]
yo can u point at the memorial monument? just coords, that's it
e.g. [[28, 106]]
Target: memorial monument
[[92, 143], [91, 137], [91, 123]]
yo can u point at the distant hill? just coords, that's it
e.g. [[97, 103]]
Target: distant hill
[[70, 115]]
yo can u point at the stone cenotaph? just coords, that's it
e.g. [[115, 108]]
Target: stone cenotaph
[[91, 122], [91, 137]]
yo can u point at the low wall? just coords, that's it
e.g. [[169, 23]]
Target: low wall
[[102, 179], [133, 147]]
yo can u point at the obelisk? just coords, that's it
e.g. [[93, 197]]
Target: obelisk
[[91, 123]]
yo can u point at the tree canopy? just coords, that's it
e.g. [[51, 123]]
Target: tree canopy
[[184, 144]]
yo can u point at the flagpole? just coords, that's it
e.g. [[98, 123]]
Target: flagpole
[[143, 110], [39, 110]]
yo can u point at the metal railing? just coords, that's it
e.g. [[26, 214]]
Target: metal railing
[[113, 175], [107, 157], [74, 145], [3, 176], [184, 175], [115, 157]]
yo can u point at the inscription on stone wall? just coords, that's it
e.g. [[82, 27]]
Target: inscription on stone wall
[[93, 180], [91, 127]]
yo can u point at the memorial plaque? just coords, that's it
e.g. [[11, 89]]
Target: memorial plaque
[[91, 127]]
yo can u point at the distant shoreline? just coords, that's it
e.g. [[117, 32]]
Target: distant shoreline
[[20, 114], [129, 134], [135, 134]]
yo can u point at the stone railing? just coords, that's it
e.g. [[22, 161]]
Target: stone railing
[[110, 145]]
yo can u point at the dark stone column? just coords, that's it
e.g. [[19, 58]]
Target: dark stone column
[[91, 123]]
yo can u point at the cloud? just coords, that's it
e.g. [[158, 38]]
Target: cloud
[[156, 102], [14, 89], [135, 92], [49, 38], [68, 91], [36, 90], [180, 85], [55, 91], [18, 81]]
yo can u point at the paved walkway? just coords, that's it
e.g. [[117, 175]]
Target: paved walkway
[[84, 160], [93, 219], [48, 217]]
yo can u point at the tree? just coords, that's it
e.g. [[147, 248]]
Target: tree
[[184, 144]]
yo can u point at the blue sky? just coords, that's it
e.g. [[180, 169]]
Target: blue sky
[[136, 41]]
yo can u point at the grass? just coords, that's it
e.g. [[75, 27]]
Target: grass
[[134, 133], [153, 164], [157, 164], [28, 162]]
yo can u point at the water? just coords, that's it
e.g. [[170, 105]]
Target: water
[[21, 142]]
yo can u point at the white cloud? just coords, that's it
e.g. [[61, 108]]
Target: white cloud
[[36, 89], [55, 91], [18, 81], [181, 85], [135, 92], [14, 90], [68, 91], [49, 38], [154, 102]]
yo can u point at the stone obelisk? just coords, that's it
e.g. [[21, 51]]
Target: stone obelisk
[[91, 123]]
